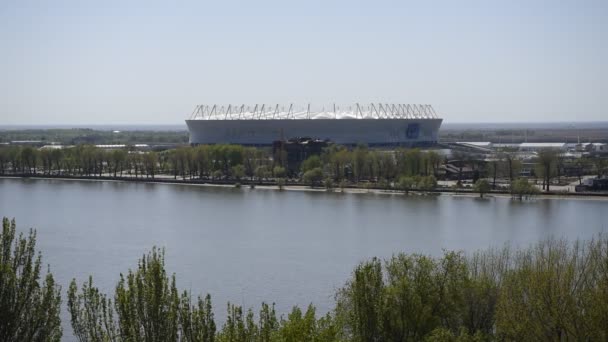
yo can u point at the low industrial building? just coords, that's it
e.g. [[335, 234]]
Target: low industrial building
[[535, 147]]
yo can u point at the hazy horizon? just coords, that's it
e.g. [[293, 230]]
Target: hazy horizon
[[115, 63], [445, 126]]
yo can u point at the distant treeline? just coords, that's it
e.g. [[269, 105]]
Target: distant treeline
[[74, 136], [234, 162], [552, 291], [337, 166]]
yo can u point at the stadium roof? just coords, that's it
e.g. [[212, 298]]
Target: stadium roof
[[277, 112]]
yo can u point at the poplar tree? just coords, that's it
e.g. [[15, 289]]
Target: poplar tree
[[29, 306]]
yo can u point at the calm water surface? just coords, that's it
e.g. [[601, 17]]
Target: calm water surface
[[248, 246]]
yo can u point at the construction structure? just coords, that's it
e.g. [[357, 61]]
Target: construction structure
[[373, 124]]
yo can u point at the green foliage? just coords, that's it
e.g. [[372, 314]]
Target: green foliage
[[197, 323], [239, 326], [147, 301], [262, 172], [146, 307], [482, 187], [217, 174], [427, 183], [360, 303], [547, 166], [424, 183], [91, 314], [224, 162], [328, 183], [521, 188], [556, 291], [414, 296], [313, 162], [238, 171], [299, 327], [405, 184], [150, 161], [29, 307], [313, 177], [279, 172]]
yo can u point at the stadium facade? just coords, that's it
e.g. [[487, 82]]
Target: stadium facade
[[373, 124]]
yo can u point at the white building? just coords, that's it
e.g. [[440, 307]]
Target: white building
[[375, 124], [534, 147]]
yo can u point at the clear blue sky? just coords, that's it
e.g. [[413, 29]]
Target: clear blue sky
[[131, 62]]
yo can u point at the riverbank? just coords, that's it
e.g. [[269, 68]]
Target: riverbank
[[298, 186]]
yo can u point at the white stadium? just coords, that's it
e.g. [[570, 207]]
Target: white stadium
[[259, 125]]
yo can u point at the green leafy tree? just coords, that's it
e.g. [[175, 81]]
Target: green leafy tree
[[547, 166], [262, 172], [521, 188], [279, 172], [146, 307], [239, 326], [312, 162], [197, 323], [427, 183], [118, 159], [202, 160], [29, 157], [238, 171], [405, 184], [360, 162], [545, 297], [312, 177], [150, 161], [217, 174], [299, 326], [4, 160], [269, 324], [328, 183], [92, 314], [29, 307], [360, 303], [482, 187], [47, 160]]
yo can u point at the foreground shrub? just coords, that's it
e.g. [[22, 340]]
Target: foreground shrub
[[146, 307], [29, 308], [556, 291], [550, 292]]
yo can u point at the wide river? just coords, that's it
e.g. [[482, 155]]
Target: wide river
[[248, 246]]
